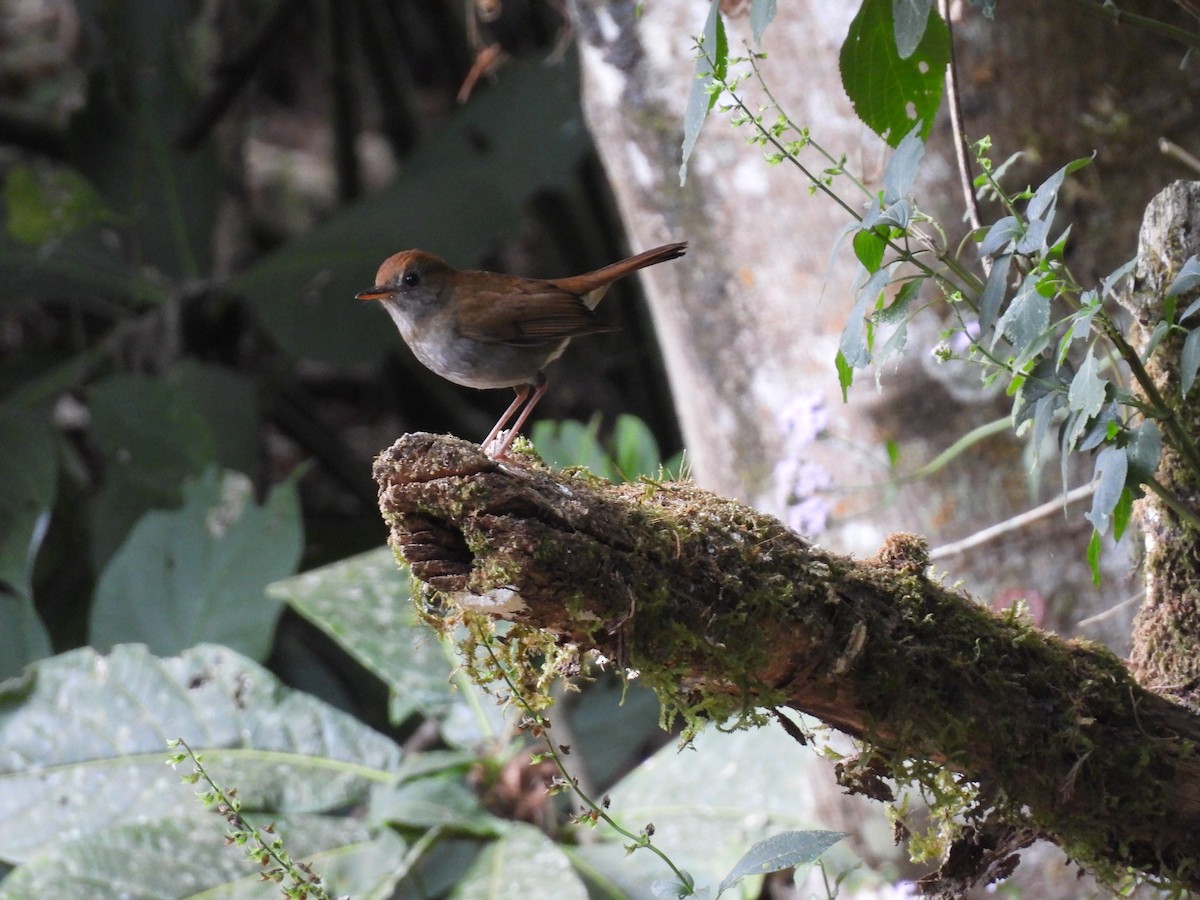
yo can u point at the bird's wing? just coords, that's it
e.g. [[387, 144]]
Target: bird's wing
[[528, 312]]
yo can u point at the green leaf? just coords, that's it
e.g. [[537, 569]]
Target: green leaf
[[50, 203], [227, 401], [1122, 513], [892, 94], [83, 735], [151, 437], [711, 61], [845, 373], [911, 17], [869, 248], [435, 802], [570, 443], [524, 862], [363, 603], [1093, 557], [635, 451], [1111, 469], [780, 851], [730, 790], [200, 573], [1143, 450], [157, 858]]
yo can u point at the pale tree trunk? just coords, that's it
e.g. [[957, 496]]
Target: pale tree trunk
[[749, 326], [1166, 647]]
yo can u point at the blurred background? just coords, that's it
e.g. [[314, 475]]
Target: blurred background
[[193, 194]]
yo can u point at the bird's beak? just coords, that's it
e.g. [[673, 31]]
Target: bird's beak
[[375, 293]]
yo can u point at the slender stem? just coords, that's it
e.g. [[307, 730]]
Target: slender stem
[[1110, 10], [1015, 523], [1174, 504], [639, 840], [960, 137]]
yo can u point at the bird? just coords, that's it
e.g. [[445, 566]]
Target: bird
[[491, 330]]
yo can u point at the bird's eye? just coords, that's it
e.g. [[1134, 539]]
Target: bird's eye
[[410, 279]]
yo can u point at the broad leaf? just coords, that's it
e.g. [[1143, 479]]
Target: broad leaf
[[82, 744], [175, 857], [524, 862], [710, 803], [892, 94], [1143, 451], [1111, 469], [151, 438], [363, 603], [780, 851], [200, 573], [869, 247]]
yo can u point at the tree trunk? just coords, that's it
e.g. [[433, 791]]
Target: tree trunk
[[1166, 637]]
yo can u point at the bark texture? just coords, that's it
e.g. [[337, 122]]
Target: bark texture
[[1166, 637], [724, 609]]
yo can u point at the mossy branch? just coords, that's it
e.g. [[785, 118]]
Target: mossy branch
[[724, 610]]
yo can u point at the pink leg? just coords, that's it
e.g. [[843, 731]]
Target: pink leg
[[522, 393]]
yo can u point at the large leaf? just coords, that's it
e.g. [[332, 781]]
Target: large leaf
[[83, 740], [710, 804], [228, 403], [200, 573], [467, 185], [780, 851], [151, 437], [180, 857], [363, 604], [523, 863], [892, 94]]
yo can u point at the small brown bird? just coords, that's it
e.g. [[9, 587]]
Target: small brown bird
[[487, 330]]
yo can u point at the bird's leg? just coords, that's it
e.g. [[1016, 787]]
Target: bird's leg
[[523, 392]]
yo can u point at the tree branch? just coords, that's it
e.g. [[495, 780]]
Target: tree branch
[[723, 609]]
